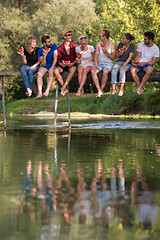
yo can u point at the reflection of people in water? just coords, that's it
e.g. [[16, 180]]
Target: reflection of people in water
[[144, 199], [37, 197], [28, 194], [83, 203], [65, 196]]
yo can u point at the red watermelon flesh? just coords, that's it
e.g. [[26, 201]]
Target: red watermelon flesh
[[103, 46], [65, 62], [135, 63], [121, 49], [46, 50], [21, 50], [79, 57]]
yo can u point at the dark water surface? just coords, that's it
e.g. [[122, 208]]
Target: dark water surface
[[102, 181]]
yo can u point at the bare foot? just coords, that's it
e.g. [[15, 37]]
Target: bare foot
[[113, 92], [63, 92], [140, 91], [99, 94], [39, 96], [46, 93], [29, 92], [80, 92], [120, 94]]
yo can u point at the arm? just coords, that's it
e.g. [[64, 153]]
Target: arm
[[153, 62], [96, 55], [35, 65], [128, 60], [90, 59], [111, 55], [42, 59], [24, 59], [55, 59]]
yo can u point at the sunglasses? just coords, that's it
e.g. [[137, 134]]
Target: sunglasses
[[83, 38], [68, 35], [101, 36]]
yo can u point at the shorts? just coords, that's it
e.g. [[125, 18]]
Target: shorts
[[141, 68], [101, 66]]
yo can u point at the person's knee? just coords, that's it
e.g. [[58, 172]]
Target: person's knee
[[133, 70], [73, 69], [149, 71], [56, 71], [80, 70], [106, 71], [40, 74]]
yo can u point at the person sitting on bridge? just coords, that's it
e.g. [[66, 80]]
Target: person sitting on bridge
[[31, 64], [48, 58], [66, 60], [85, 63], [125, 51], [104, 56], [147, 55]]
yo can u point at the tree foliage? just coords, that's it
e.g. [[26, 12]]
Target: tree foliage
[[22, 18]]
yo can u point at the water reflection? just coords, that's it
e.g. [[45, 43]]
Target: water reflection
[[84, 185]]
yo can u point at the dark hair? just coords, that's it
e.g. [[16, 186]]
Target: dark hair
[[44, 39], [150, 35], [105, 33], [129, 36]]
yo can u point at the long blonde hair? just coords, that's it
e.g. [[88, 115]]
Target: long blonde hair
[[28, 44]]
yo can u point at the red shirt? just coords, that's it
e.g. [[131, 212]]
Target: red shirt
[[63, 55]]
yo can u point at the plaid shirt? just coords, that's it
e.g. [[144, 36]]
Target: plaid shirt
[[62, 54]]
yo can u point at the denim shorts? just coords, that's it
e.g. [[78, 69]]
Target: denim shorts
[[101, 66], [141, 68]]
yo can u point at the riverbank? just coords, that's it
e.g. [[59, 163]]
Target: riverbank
[[129, 104]]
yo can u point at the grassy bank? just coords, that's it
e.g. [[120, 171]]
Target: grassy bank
[[130, 103]]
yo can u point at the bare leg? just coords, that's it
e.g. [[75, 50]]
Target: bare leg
[[146, 77], [113, 88], [57, 72], [69, 77], [104, 78], [42, 71], [49, 83], [83, 80], [135, 77], [96, 81], [121, 90]]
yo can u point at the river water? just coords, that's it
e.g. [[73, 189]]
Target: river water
[[101, 181]]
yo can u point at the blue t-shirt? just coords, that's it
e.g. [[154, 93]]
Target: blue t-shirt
[[50, 56]]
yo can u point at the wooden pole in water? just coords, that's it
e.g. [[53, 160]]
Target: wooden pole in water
[[3, 100], [56, 103], [69, 118]]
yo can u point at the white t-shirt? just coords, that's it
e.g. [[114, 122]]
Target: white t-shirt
[[103, 59], [85, 55], [147, 53]]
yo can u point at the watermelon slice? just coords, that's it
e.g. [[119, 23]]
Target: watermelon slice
[[135, 63], [46, 50], [65, 62], [79, 57], [122, 49], [21, 50], [103, 46]]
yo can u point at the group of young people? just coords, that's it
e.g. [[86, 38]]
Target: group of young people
[[85, 58]]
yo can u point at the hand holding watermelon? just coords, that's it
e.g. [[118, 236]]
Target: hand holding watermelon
[[21, 51], [79, 58], [102, 46], [121, 50]]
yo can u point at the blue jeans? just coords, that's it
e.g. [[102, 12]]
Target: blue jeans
[[27, 75], [122, 74]]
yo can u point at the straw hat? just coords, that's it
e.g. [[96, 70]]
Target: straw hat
[[64, 32]]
